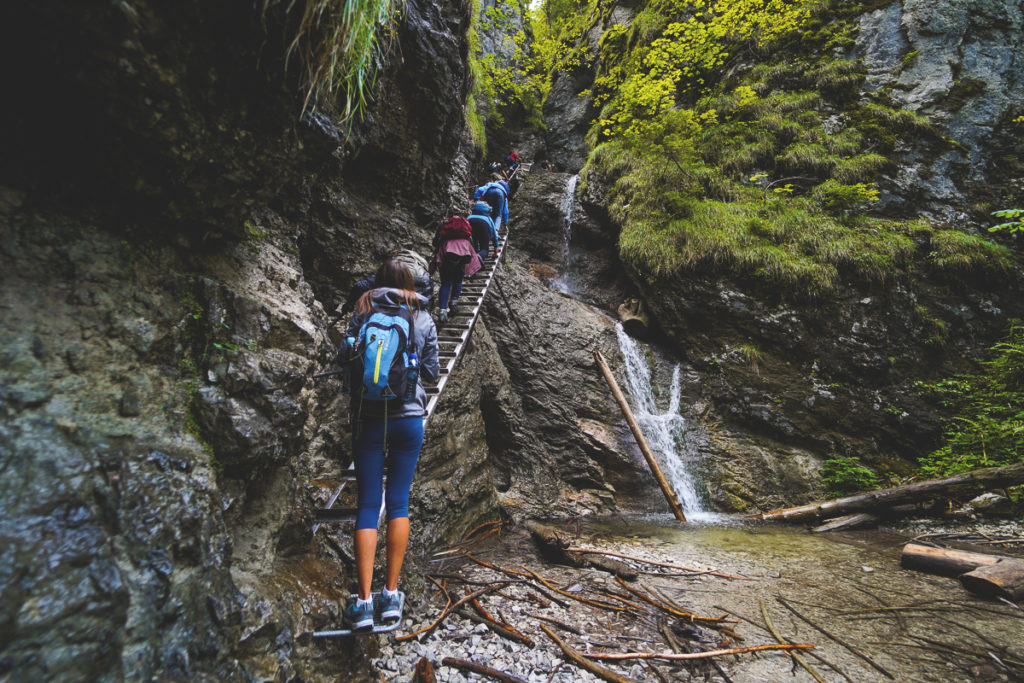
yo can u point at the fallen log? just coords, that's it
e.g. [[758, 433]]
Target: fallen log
[[978, 480], [943, 561], [1004, 579], [554, 546], [846, 522]]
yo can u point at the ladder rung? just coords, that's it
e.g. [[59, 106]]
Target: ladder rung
[[432, 391], [336, 515]]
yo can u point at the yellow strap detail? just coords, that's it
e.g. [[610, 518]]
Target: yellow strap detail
[[376, 367]]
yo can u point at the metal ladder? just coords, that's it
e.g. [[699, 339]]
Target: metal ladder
[[452, 340]]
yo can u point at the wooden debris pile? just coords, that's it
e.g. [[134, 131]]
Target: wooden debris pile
[[594, 621]]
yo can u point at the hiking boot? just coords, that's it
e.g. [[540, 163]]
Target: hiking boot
[[358, 618], [442, 315], [453, 307], [389, 608]]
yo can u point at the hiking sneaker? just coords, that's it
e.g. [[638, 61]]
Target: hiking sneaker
[[442, 315], [389, 608], [453, 307], [358, 618]]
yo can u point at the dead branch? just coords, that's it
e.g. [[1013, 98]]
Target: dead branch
[[666, 608], [561, 624], [578, 659], [853, 650], [592, 603], [480, 669], [469, 535], [796, 656], [813, 653], [669, 565], [451, 608], [504, 630], [671, 656]]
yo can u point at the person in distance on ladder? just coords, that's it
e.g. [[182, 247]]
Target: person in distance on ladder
[[395, 348]]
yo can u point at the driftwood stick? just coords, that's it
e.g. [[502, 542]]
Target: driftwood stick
[[671, 656], [469, 534], [592, 603], [561, 624], [813, 653], [451, 608], [853, 650], [480, 669], [510, 572], [796, 656], [666, 608], [669, 565], [652, 462], [503, 630], [620, 599], [578, 659]]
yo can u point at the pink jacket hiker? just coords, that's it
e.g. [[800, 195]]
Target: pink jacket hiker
[[462, 247]]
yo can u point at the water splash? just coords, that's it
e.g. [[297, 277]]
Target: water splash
[[665, 431], [568, 207]]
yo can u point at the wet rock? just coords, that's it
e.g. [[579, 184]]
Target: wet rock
[[993, 504]]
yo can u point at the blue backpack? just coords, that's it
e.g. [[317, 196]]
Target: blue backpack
[[385, 339]]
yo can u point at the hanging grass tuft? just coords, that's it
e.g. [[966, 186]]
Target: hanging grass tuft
[[340, 44]]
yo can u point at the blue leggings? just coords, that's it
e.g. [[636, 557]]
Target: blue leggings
[[451, 286], [404, 438]]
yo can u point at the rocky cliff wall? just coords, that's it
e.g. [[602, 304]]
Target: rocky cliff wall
[[173, 242], [789, 383]]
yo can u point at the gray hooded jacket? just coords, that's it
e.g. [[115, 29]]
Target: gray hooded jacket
[[424, 344]]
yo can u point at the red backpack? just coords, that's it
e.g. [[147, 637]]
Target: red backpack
[[456, 227]]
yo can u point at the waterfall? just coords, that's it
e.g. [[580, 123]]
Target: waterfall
[[567, 207], [665, 431]]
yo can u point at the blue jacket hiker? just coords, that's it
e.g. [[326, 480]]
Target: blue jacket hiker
[[393, 426], [496, 194], [484, 232]]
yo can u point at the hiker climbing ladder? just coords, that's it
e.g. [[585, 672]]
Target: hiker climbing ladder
[[452, 338]]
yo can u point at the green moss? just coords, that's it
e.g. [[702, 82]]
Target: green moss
[[858, 169], [961, 253]]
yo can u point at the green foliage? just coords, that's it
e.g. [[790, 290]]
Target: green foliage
[[519, 79], [339, 44], [765, 173], [843, 476], [1014, 222], [989, 428]]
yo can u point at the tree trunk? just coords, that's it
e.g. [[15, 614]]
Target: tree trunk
[[978, 480], [1004, 579], [943, 561]]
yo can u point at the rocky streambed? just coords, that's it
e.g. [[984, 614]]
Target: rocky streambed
[[845, 594]]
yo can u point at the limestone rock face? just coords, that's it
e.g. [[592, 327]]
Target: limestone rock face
[[958, 63]]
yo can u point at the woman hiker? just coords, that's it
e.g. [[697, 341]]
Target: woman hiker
[[455, 258], [394, 426]]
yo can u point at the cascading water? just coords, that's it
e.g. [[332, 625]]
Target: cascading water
[[665, 432], [567, 206]]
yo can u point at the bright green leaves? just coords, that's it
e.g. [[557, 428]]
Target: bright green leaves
[[990, 428]]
